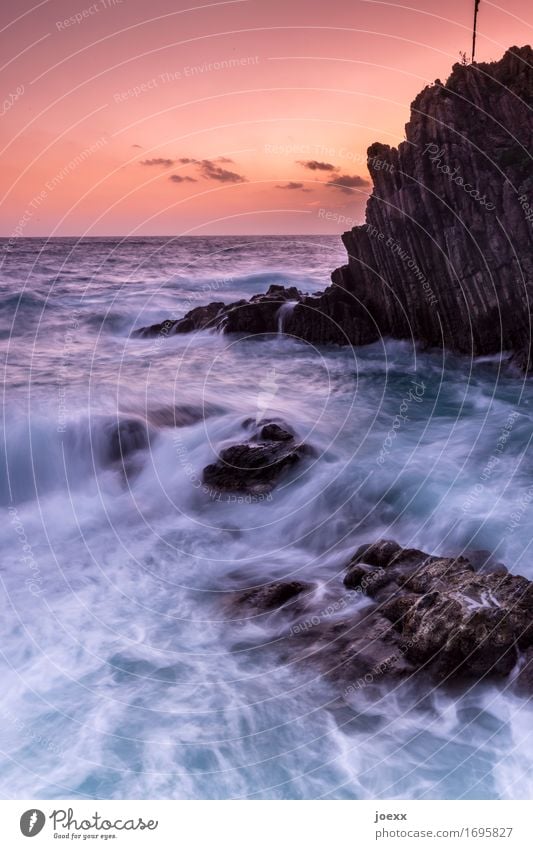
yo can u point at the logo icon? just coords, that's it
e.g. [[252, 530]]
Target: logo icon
[[32, 822]]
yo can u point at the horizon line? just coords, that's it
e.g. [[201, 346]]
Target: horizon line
[[182, 236]]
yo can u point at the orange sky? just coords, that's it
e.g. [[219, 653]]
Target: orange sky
[[254, 92]]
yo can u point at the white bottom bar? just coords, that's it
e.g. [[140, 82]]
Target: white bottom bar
[[267, 825]]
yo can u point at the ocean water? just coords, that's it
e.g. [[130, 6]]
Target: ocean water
[[125, 671]]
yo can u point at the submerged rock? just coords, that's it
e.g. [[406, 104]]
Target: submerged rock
[[271, 596], [180, 415], [257, 466], [124, 438]]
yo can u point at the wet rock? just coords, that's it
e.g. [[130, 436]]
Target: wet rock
[[254, 467], [436, 620], [355, 575], [251, 468], [124, 438], [273, 595], [377, 554], [372, 655], [367, 580], [271, 430], [334, 316], [206, 317], [258, 315], [275, 433], [452, 620], [356, 652]]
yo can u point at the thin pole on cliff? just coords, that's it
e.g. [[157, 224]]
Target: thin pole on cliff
[[476, 9]]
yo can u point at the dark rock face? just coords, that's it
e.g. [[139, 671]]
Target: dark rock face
[[255, 467], [445, 255]]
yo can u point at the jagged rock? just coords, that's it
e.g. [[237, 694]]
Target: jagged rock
[[255, 467], [451, 619], [332, 317], [437, 618], [445, 255], [367, 580], [200, 318], [259, 314], [378, 554], [275, 433], [269, 430]]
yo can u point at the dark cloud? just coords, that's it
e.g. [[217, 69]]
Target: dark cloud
[[292, 185], [211, 171], [177, 178], [346, 182], [166, 163], [313, 165]]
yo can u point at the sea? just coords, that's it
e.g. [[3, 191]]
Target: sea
[[126, 672]]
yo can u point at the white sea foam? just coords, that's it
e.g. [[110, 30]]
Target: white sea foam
[[124, 675]]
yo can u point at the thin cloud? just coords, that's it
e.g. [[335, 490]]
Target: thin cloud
[[185, 160], [346, 182], [211, 171], [293, 186], [166, 163], [314, 165], [178, 178]]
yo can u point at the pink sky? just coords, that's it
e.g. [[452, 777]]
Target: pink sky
[[251, 91]]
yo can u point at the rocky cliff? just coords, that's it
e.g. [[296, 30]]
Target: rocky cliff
[[445, 253]]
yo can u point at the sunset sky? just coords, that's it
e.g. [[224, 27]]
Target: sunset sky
[[244, 116]]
